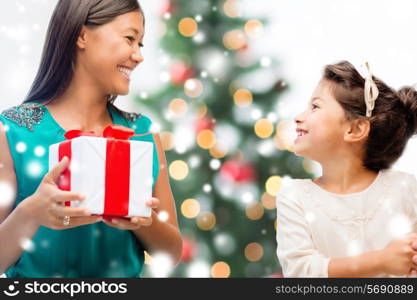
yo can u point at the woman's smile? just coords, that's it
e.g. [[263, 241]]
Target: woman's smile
[[125, 71]]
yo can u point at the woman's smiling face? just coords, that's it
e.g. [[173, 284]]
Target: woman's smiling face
[[109, 53], [321, 127]]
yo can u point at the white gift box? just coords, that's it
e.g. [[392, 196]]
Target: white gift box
[[87, 174]]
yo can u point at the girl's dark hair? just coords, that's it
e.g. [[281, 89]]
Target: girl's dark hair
[[56, 68], [393, 120]]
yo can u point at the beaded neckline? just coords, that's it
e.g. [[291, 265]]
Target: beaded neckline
[[29, 115], [25, 115]]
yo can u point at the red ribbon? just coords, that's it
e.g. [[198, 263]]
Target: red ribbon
[[117, 176]]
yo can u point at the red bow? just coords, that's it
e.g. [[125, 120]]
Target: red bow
[[117, 132]]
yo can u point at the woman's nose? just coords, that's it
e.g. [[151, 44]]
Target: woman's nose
[[137, 56]]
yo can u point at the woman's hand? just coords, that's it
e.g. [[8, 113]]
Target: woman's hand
[[46, 206], [135, 222], [399, 257]]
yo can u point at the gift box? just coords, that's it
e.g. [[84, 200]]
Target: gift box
[[113, 172]]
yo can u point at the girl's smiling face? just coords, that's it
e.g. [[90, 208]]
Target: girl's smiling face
[[322, 126], [110, 52]]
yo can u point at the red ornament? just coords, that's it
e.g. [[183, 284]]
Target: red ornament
[[180, 72], [245, 47], [167, 7], [188, 250], [276, 275], [203, 124], [237, 171]]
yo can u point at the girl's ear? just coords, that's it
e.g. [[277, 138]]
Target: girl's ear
[[82, 38], [357, 131]]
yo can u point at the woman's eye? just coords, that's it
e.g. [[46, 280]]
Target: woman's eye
[[132, 39], [313, 106]]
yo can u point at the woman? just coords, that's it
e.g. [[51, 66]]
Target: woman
[[90, 50]]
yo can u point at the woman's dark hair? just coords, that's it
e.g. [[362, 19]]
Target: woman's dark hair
[[393, 120], [56, 68]]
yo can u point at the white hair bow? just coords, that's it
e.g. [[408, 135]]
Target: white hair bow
[[370, 90]]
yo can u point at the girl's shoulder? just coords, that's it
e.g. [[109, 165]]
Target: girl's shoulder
[[292, 190], [400, 179], [401, 183]]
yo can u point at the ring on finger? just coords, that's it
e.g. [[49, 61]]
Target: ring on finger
[[66, 221]]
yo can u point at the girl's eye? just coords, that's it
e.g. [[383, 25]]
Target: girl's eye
[[314, 107]]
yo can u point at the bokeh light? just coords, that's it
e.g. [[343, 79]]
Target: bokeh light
[[268, 201], [253, 28], [242, 97], [206, 139], [217, 152], [178, 169], [193, 88], [161, 265], [7, 194], [254, 211], [234, 39], [188, 27], [206, 221], [220, 269], [178, 107], [190, 208], [231, 8], [264, 128], [254, 252], [273, 184]]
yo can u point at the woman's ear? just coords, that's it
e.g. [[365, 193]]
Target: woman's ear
[[357, 131], [82, 38]]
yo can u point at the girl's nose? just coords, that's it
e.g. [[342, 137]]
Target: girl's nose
[[299, 118]]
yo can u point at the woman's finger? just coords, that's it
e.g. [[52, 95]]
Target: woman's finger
[[61, 211], [153, 203], [141, 221], [64, 196], [53, 175], [122, 224], [58, 222], [79, 221]]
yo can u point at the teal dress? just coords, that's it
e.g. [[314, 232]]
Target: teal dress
[[95, 250]]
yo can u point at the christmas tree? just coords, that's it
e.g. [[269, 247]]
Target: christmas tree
[[226, 146]]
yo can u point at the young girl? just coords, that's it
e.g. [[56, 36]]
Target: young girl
[[360, 217], [91, 48]]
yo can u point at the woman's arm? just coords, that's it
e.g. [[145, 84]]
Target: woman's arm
[[162, 236], [45, 207], [14, 226]]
